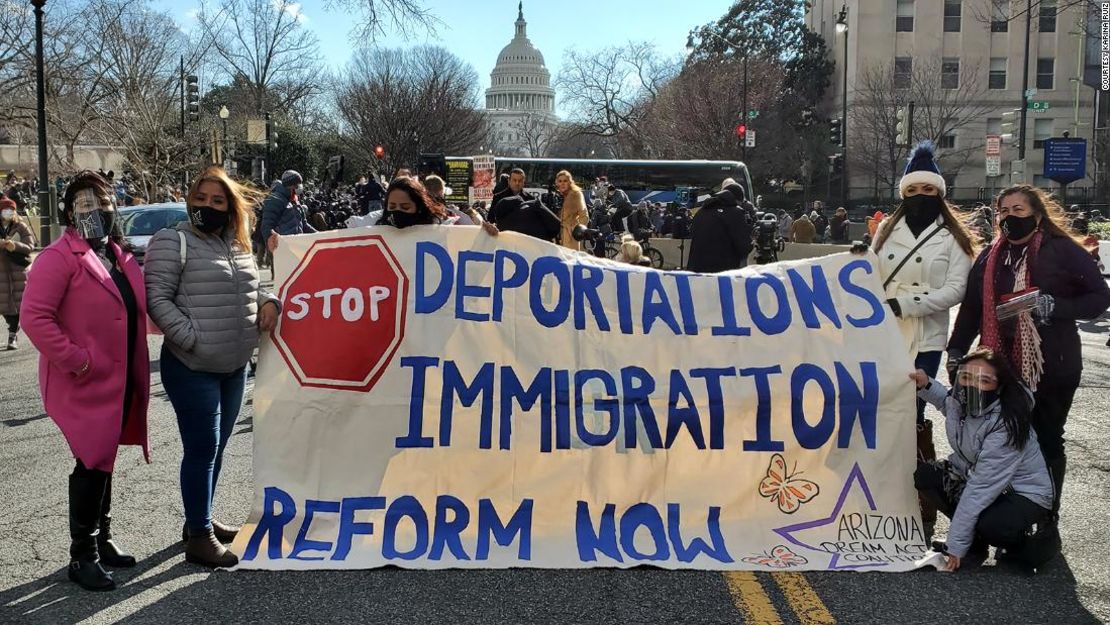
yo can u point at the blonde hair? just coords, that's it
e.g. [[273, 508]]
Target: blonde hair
[[434, 185], [241, 200], [630, 249], [573, 185]]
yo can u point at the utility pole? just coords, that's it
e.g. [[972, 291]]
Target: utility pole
[[1025, 82], [181, 83], [47, 212], [744, 115]]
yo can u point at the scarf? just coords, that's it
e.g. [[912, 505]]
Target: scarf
[[1024, 354]]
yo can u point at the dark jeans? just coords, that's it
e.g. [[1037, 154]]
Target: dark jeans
[[1005, 523], [207, 406], [13, 322], [929, 362], [1052, 402]]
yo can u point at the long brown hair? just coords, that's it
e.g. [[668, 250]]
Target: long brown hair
[[955, 225], [1053, 219], [241, 200], [419, 195]]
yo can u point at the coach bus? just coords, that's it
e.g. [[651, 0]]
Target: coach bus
[[656, 181]]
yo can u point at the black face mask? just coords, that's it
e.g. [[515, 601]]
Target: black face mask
[[207, 219], [974, 401], [921, 210], [1017, 228], [401, 219]]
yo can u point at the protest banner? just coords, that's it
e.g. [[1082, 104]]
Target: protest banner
[[485, 178], [435, 397]]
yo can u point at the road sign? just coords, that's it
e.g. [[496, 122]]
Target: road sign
[[1038, 105], [1030, 92], [994, 145], [749, 139], [753, 114], [1065, 160], [994, 166], [343, 313]]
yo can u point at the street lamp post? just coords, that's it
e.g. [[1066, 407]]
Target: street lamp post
[[842, 28], [224, 114], [744, 97], [46, 215]]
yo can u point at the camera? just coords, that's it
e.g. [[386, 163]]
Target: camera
[[582, 233], [768, 243]]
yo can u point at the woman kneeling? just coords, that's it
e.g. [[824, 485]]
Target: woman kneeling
[[994, 486]]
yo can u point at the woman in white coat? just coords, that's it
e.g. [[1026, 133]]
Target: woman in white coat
[[925, 255]]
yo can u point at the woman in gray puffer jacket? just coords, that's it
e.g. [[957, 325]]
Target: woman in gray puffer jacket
[[994, 486], [203, 292]]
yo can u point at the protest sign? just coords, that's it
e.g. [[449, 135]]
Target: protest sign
[[435, 397]]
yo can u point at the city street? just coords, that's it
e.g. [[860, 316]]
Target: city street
[[34, 462]]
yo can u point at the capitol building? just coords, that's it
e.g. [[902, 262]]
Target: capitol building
[[520, 103]]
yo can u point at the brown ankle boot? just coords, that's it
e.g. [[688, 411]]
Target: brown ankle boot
[[224, 533], [205, 550]]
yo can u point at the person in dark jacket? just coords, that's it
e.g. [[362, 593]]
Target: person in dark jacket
[[281, 213], [16, 244], [838, 226], [526, 216], [1041, 343], [721, 234], [508, 187]]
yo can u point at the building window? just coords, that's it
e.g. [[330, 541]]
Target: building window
[[1046, 70], [952, 11], [947, 142], [1042, 129], [950, 74], [903, 72], [1048, 16], [1000, 16], [994, 125], [997, 78], [903, 23]]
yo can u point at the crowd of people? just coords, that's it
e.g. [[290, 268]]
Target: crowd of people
[[85, 300]]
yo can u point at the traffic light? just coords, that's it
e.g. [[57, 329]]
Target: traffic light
[[379, 151], [192, 97], [902, 128], [741, 130], [836, 164], [836, 135], [1009, 121]]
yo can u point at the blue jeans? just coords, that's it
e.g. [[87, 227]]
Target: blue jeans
[[207, 406], [929, 362]]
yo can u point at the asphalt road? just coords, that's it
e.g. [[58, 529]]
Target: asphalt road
[[34, 463]]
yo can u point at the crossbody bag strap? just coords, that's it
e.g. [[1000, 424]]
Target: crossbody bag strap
[[905, 260]]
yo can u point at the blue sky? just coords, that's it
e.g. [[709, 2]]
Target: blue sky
[[476, 30]]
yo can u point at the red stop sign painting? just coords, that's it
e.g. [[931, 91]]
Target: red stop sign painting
[[343, 313]]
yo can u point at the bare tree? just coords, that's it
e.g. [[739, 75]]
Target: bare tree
[[537, 131], [411, 100], [264, 43], [608, 90], [939, 112], [407, 17]]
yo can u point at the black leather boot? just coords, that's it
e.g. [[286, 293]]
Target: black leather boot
[[86, 490], [926, 452], [110, 553]]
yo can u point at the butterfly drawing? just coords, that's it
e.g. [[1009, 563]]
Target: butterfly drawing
[[783, 488], [780, 558]]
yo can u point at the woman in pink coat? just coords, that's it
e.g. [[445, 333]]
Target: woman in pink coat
[[84, 309]]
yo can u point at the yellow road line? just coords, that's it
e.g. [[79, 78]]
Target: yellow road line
[[750, 598], [803, 599]]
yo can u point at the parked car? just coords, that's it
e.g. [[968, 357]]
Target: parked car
[[139, 223]]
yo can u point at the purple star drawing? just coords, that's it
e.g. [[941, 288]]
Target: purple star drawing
[[787, 531]]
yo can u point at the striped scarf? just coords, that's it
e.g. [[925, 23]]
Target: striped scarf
[[1024, 354]]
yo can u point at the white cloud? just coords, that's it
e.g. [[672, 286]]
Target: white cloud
[[294, 9]]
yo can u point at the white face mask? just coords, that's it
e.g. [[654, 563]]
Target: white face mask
[[7, 214]]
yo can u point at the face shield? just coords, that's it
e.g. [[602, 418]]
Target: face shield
[[976, 390], [93, 214]]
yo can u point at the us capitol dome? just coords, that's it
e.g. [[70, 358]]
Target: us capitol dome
[[520, 103]]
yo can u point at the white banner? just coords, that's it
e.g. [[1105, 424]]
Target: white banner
[[436, 397]]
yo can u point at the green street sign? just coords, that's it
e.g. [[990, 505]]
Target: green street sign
[[753, 114], [1039, 105]]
